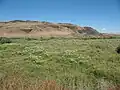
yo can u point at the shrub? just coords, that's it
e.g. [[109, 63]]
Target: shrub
[[52, 37], [5, 40], [118, 49], [29, 38]]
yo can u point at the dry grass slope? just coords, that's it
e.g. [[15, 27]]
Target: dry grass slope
[[36, 28]]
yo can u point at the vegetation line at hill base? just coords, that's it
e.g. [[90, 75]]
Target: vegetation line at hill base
[[52, 37]]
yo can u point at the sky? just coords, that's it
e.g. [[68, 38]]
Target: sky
[[103, 15]]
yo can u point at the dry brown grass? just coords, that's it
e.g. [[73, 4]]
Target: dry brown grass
[[114, 88], [18, 82]]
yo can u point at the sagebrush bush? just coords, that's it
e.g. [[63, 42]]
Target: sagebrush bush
[[118, 49], [5, 40]]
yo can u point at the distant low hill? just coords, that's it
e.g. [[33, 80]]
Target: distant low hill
[[37, 28]]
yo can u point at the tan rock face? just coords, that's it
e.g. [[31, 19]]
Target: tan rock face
[[36, 28]]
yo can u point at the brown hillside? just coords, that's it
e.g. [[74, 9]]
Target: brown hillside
[[36, 28]]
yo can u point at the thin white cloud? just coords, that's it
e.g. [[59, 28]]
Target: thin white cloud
[[103, 29]]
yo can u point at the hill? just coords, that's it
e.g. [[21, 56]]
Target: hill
[[37, 28]]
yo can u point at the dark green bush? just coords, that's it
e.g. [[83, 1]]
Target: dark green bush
[[29, 38], [5, 40], [118, 49], [52, 37]]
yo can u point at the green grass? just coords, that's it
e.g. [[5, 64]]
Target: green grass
[[74, 63]]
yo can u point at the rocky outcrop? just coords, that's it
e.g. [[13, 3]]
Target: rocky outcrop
[[88, 31]]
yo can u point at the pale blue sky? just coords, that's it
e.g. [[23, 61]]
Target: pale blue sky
[[103, 15]]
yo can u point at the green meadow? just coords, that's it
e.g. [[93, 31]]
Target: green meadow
[[72, 63]]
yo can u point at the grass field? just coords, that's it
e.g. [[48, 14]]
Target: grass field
[[72, 63]]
